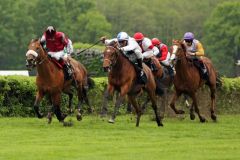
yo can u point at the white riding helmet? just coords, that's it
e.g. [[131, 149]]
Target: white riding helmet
[[122, 36]]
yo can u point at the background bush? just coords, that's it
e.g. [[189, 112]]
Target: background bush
[[17, 95]]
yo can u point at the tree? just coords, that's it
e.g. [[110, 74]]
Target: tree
[[222, 36]]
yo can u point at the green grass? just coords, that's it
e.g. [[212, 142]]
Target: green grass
[[95, 139]]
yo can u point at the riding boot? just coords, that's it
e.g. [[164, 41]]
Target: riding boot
[[66, 70], [142, 78], [203, 70]]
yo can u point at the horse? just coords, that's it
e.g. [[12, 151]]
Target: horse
[[188, 80], [122, 78], [50, 81]]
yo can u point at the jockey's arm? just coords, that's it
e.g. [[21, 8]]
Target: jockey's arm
[[64, 40], [155, 51], [132, 45], [164, 53], [148, 54], [200, 50], [109, 41], [43, 42]]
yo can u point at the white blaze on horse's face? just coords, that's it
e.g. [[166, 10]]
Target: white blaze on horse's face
[[175, 48], [32, 52]]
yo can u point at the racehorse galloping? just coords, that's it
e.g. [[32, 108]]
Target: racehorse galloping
[[188, 80], [122, 78], [50, 80]]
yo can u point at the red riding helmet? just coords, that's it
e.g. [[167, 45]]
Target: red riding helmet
[[138, 36], [155, 41], [50, 31]]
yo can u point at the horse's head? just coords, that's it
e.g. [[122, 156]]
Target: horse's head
[[35, 54], [179, 49], [110, 55]]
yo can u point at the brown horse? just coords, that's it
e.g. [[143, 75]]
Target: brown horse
[[50, 80], [122, 78], [188, 80]]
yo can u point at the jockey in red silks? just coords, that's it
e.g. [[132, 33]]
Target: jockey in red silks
[[148, 49], [55, 43], [163, 56]]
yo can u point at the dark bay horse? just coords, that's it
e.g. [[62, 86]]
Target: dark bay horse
[[50, 80], [188, 80], [122, 78]]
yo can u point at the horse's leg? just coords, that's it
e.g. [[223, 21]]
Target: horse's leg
[[120, 98], [38, 99], [56, 100], [50, 112], [133, 101], [129, 107], [85, 98], [172, 104], [213, 103], [80, 101], [186, 100], [70, 97], [154, 106], [144, 106], [104, 109], [116, 108], [202, 119], [192, 115]]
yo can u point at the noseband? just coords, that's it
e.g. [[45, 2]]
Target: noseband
[[114, 54]]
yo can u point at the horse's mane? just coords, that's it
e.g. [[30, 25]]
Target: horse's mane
[[35, 39]]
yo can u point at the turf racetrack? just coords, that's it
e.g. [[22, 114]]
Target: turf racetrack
[[95, 139]]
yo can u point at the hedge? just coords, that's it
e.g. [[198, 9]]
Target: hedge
[[17, 95]]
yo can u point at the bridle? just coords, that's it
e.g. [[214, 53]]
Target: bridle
[[35, 60], [114, 56]]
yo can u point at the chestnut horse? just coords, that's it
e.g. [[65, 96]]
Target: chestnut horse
[[188, 80], [122, 78], [50, 80]]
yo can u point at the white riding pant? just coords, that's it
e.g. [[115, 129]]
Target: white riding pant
[[167, 60], [58, 55]]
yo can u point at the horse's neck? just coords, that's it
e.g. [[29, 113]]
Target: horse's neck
[[121, 67], [182, 68], [45, 69]]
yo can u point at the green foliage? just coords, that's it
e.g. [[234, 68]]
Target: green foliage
[[223, 36]]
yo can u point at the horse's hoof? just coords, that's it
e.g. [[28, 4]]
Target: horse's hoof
[[111, 121], [180, 112], [214, 117], [79, 117], [160, 125], [49, 120], [202, 120], [192, 116], [40, 116]]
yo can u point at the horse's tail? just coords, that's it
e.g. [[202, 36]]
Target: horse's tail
[[90, 82]]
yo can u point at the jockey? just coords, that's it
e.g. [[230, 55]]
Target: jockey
[[163, 56], [55, 43], [131, 49], [148, 49], [196, 51]]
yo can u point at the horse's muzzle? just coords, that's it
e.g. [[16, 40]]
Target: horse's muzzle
[[29, 65], [106, 69]]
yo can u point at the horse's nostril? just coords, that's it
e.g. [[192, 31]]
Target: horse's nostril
[[105, 69]]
